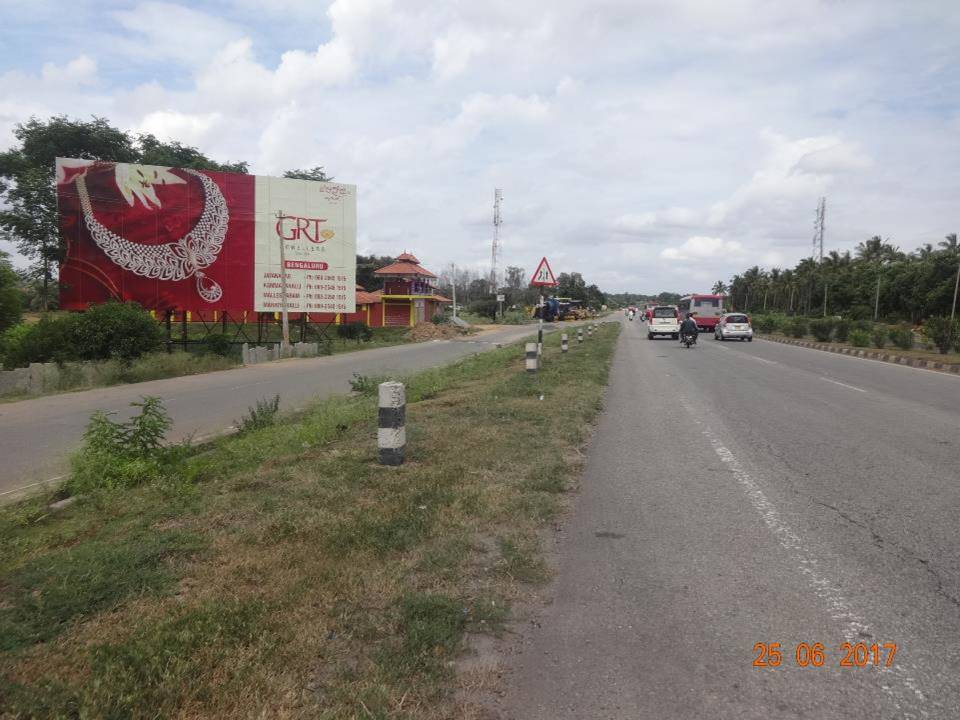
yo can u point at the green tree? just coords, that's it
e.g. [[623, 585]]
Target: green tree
[[151, 151], [314, 173], [27, 184], [10, 300], [366, 265]]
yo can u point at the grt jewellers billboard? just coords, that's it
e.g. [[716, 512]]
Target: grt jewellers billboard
[[202, 240]]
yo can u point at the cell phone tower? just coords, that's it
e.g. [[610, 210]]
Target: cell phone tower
[[495, 249], [818, 227]]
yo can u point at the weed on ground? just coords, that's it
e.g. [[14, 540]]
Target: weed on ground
[[284, 573]]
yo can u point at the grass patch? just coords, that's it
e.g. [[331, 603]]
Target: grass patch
[[283, 572], [44, 596]]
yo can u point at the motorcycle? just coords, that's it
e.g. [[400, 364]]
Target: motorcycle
[[688, 340]]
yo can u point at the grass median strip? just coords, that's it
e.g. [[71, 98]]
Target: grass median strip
[[284, 573]]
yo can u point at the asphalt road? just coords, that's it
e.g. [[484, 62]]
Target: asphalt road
[[37, 435], [743, 493]]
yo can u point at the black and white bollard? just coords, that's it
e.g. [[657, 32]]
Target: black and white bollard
[[391, 430], [580, 336], [532, 357], [589, 331], [564, 346]]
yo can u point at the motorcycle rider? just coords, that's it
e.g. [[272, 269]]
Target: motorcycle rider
[[688, 327]]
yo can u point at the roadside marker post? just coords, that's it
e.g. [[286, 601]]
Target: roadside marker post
[[391, 423], [533, 359], [563, 343], [579, 336], [540, 330], [589, 331]]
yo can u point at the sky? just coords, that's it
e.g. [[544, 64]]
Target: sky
[[647, 145]]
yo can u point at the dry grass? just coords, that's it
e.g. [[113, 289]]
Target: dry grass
[[316, 583]]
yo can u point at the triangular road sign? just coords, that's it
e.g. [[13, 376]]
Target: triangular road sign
[[543, 275]]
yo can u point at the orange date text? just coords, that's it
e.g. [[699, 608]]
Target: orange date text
[[815, 654]]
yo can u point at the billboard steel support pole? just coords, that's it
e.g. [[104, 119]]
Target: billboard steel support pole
[[284, 316]]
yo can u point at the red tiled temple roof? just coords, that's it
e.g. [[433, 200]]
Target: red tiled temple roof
[[406, 266]]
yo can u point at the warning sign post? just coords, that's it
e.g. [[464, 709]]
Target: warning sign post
[[542, 277]]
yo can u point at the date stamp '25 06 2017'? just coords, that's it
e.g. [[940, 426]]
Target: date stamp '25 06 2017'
[[848, 655]]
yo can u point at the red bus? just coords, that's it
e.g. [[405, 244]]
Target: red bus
[[706, 309]]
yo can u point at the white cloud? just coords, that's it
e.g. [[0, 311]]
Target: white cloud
[[82, 70], [453, 52], [192, 129], [159, 31], [702, 247], [636, 141]]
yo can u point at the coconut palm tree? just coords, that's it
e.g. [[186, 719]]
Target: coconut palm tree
[[720, 288]]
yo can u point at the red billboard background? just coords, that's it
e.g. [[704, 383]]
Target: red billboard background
[[156, 236]]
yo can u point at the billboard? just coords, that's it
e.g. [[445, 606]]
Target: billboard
[[178, 238]]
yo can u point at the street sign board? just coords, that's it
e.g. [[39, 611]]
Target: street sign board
[[543, 275], [501, 298]]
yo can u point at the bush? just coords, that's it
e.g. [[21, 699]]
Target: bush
[[940, 332], [878, 336], [354, 331], [515, 317], [261, 416], [796, 327], [50, 340], [822, 329], [10, 304], [841, 330], [768, 323], [365, 384], [902, 337], [439, 319], [122, 331], [484, 308], [121, 455], [859, 338], [217, 344]]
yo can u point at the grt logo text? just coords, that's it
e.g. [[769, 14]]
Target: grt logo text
[[292, 227]]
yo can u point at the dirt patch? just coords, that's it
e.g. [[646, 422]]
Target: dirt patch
[[429, 331]]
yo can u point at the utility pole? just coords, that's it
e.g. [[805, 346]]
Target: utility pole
[[495, 248], [818, 227], [284, 316], [453, 286]]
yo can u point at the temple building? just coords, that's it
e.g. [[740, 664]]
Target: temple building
[[408, 296]]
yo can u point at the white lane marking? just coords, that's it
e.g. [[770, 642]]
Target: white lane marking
[[810, 567], [24, 487], [752, 357], [837, 382]]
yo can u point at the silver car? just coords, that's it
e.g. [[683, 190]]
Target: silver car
[[733, 326]]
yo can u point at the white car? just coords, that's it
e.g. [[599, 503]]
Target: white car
[[664, 320], [733, 326]]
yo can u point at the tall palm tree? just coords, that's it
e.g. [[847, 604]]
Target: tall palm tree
[[720, 288], [949, 242]]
